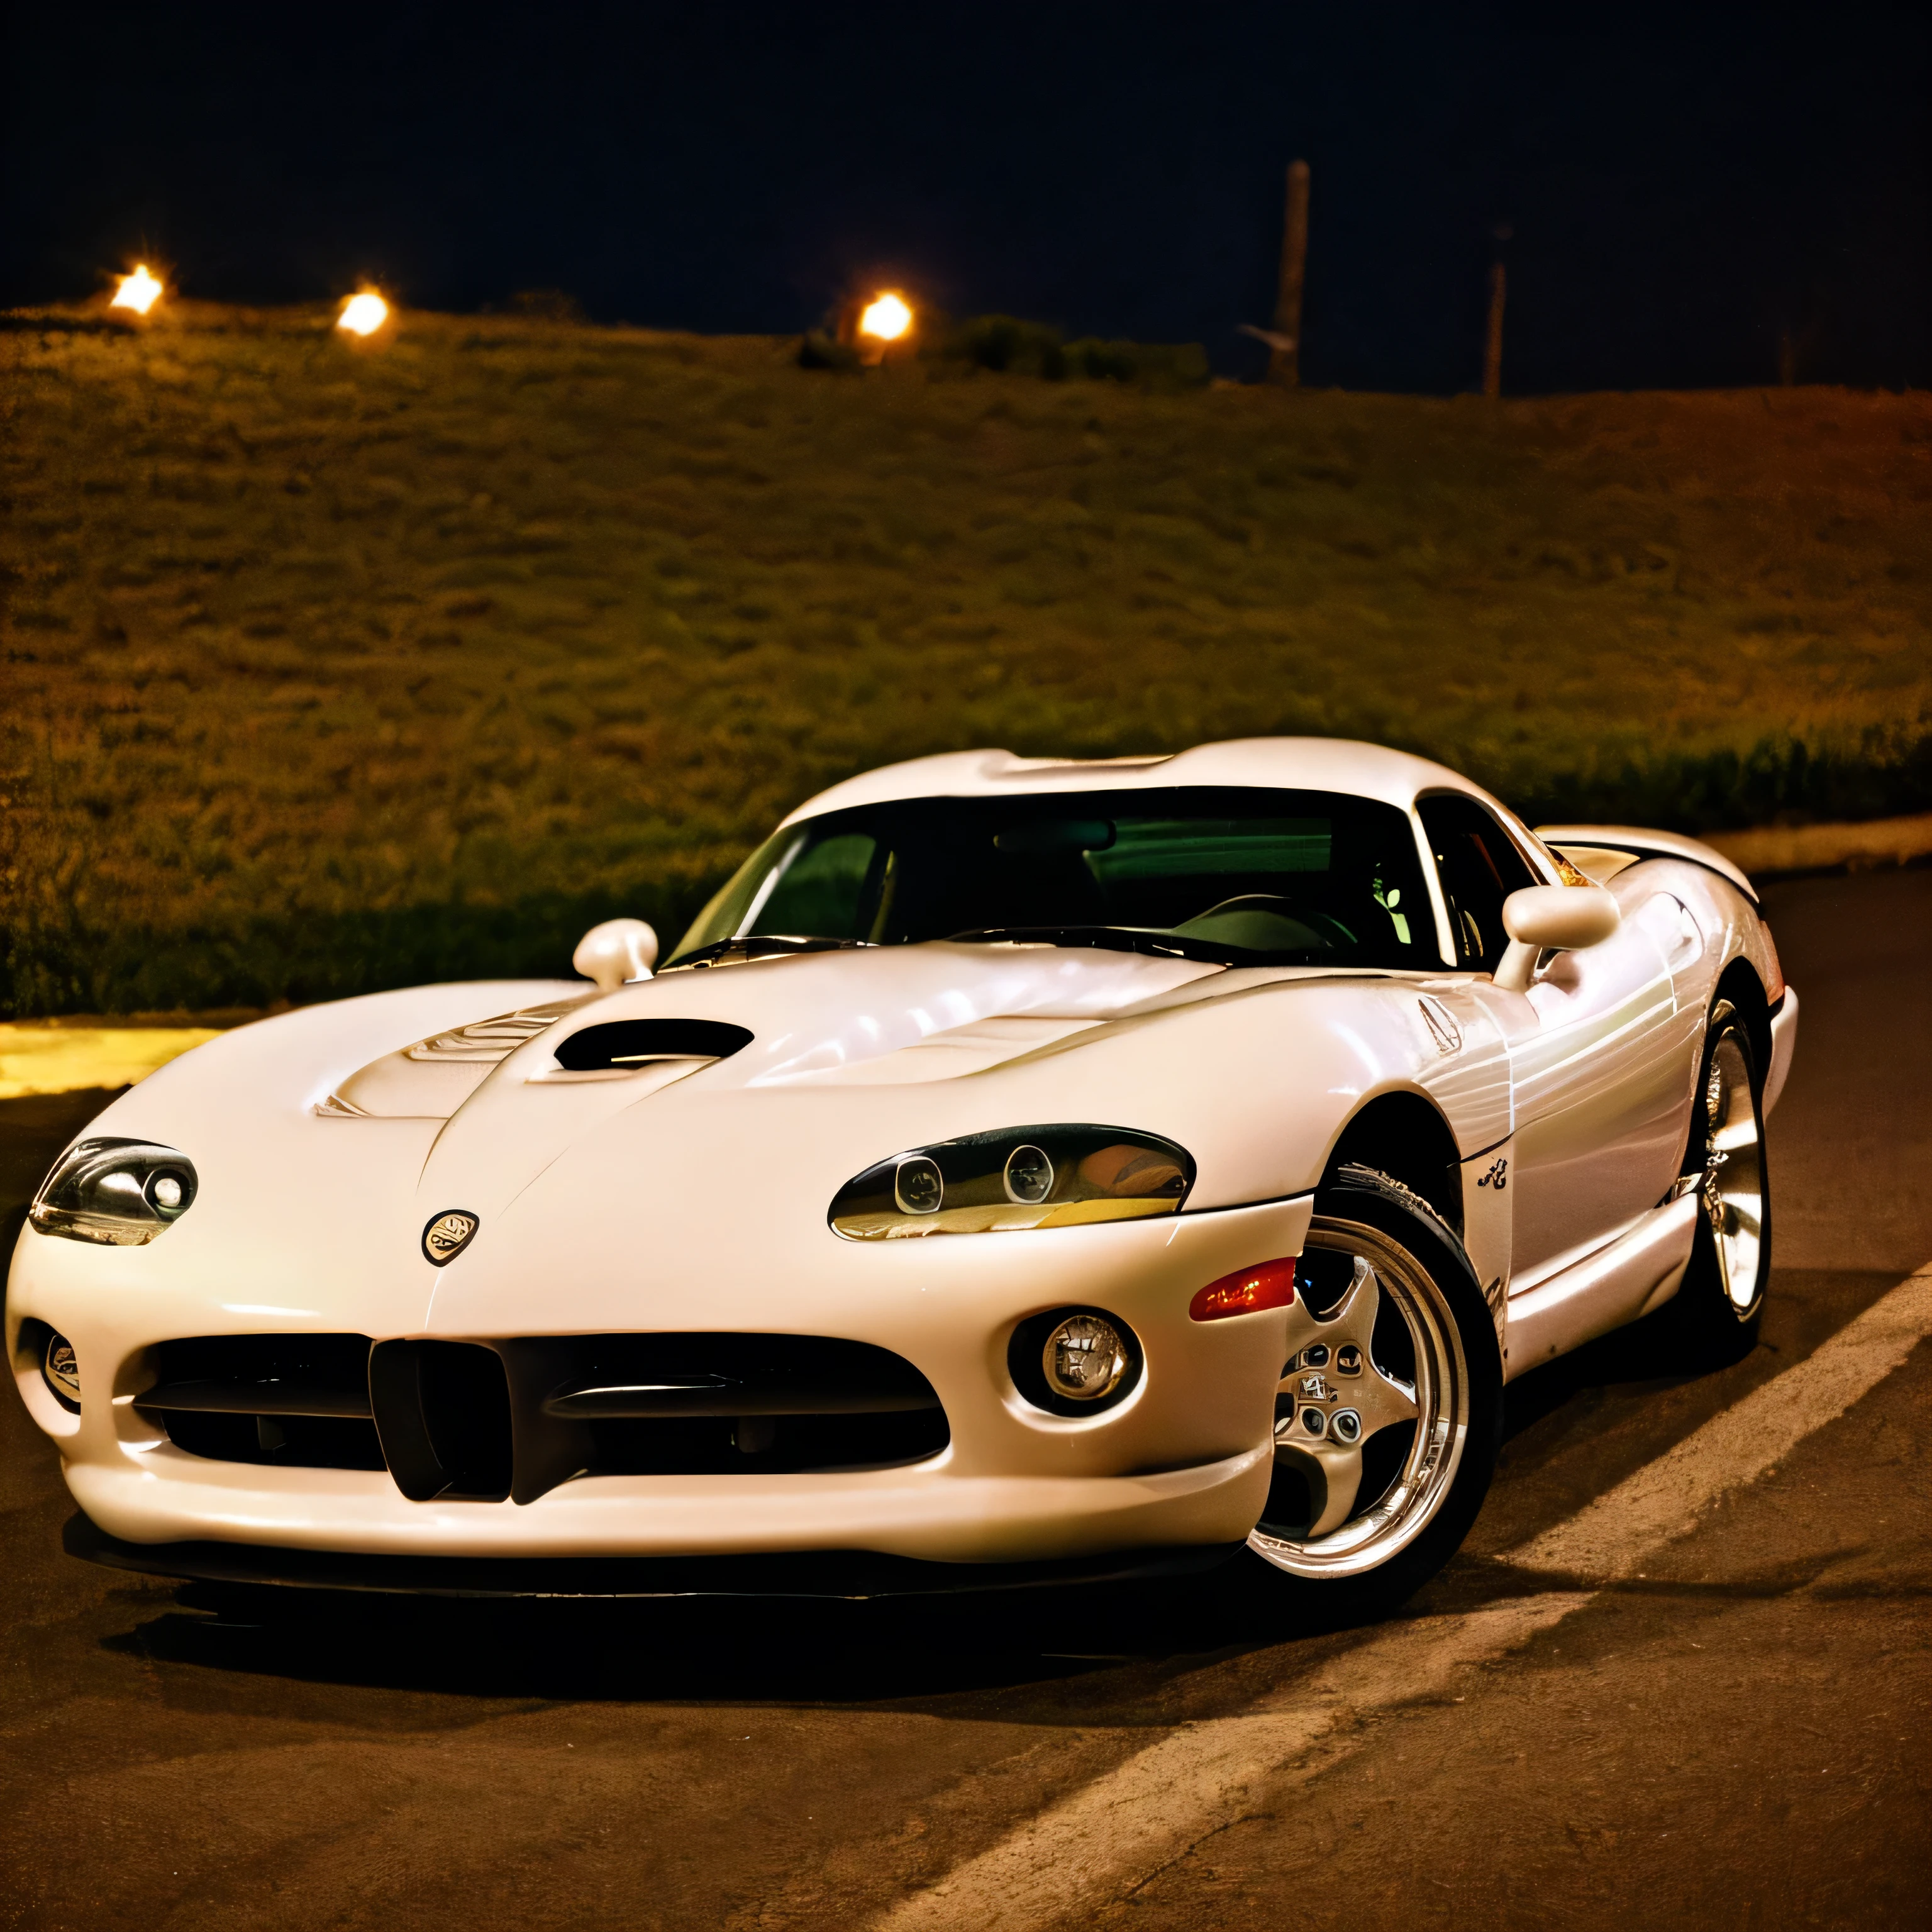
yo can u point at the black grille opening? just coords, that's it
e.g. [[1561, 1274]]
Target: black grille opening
[[790, 1444], [715, 1404], [339, 1364], [483, 1422], [678, 1375], [297, 1401], [288, 1441]]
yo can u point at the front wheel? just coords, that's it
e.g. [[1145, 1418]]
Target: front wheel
[[1389, 1414]]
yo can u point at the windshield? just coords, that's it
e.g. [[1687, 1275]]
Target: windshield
[[1239, 874]]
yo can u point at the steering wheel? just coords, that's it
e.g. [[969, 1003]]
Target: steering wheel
[[1266, 923]]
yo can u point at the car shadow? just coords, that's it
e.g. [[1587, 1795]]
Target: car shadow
[[1047, 1644], [1803, 1308], [1643, 1356]]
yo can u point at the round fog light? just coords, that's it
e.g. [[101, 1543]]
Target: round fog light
[[1084, 1358], [61, 1372]]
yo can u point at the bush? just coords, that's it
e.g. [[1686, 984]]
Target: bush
[[546, 305], [1154, 365], [1883, 772], [821, 351], [322, 670], [1007, 346]]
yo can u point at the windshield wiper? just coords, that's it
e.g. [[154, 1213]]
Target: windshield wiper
[[755, 945]]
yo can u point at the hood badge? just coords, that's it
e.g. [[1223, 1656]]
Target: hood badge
[[447, 1236]]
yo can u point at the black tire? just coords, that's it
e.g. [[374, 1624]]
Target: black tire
[[1716, 1311], [1422, 1279]]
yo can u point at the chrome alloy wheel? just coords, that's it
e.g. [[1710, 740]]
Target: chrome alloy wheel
[[1731, 1190], [1372, 1413]]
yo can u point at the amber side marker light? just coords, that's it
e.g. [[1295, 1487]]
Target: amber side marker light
[[1268, 1285], [139, 291]]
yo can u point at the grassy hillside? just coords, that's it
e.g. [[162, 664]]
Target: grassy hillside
[[328, 666]]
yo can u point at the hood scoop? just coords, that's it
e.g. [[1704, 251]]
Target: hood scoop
[[619, 1048], [433, 1078]]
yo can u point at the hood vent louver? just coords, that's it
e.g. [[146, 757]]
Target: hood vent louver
[[490, 1041]]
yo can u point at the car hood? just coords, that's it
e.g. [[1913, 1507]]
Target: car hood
[[893, 1017], [883, 1016], [843, 1016], [710, 1166]]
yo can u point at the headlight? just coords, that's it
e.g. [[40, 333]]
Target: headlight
[[121, 1193], [1056, 1177]]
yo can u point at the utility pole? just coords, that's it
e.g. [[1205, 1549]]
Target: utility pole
[[1492, 341], [1493, 347], [1284, 352]]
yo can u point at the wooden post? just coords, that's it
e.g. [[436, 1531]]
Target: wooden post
[[1493, 347], [1284, 363]]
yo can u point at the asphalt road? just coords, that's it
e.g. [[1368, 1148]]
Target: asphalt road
[[1736, 1737]]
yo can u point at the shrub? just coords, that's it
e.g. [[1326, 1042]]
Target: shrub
[[1007, 346], [821, 351], [546, 305], [322, 670]]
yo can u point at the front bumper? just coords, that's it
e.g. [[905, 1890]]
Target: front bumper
[[850, 1576], [1185, 1461]]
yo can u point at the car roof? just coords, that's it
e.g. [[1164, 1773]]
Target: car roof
[[1303, 764]]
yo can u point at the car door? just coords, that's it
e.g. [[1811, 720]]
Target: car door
[[1597, 1059]]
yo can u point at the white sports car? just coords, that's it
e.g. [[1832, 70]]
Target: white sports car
[[1024, 1170]]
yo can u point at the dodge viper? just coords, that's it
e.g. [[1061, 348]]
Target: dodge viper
[[1024, 1169]]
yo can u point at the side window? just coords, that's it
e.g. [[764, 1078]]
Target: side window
[[1480, 867]]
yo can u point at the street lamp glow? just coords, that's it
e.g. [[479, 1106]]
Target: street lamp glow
[[886, 318], [363, 314], [139, 291]]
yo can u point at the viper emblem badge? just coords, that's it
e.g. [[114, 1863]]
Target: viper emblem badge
[[1497, 1177], [447, 1236]]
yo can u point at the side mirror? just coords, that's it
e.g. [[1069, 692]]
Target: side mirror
[[618, 950], [1564, 918]]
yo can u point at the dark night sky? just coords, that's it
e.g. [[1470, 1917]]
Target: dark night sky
[[1684, 185]]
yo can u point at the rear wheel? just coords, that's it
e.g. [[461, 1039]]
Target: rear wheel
[[1722, 1292], [1389, 1413]]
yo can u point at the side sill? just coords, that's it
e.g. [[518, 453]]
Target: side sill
[[1617, 1283]]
